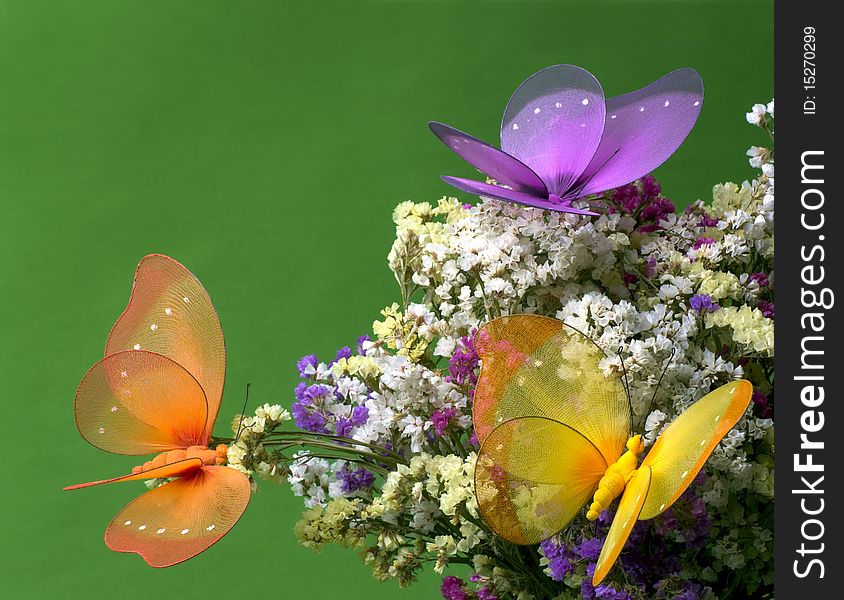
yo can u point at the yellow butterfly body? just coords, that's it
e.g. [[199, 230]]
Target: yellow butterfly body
[[555, 432]]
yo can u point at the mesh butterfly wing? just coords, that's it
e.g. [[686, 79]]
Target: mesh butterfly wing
[[538, 366], [491, 161], [174, 469], [180, 519], [138, 402], [553, 124], [685, 445], [629, 508], [532, 476], [643, 129], [500, 193], [171, 314]]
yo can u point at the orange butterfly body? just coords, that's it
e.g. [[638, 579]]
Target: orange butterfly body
[[158, 391], [553, 433]]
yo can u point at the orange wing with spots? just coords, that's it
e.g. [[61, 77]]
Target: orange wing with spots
[[180, 519], [138, 402], [158, 391], [171, 314]]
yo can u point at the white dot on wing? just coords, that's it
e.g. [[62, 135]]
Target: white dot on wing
[[153, 327], [184, 531], [585, 101], [127, 522], [696, 103], [137, 346], [536, 111], [142, 527], [558, 104], [515, 126], [114, 409], [124, 374], [168, 311], [102, 430], [641, 109], [186, 300], [210, 527], [667, 103], [683, 476], [161, 530]]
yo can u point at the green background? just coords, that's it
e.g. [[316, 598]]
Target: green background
[[264, 145]]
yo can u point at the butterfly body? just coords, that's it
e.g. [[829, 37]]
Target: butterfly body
[[618, 474], [552, 429], [157, 392], [561, 140], [216, 456]]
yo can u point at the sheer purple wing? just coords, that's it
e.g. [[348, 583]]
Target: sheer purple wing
[[643, 129], [553, 124], [490, 160], [494, 191]]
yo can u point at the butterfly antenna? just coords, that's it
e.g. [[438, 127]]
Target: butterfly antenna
[[656, 389], [242, 415], [579, 188]]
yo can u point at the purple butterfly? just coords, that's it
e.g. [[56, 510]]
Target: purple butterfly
[[560, 140]]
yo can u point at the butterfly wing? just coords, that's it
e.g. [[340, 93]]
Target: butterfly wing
[[685, 445], [643, 129], [628, 511], [532, 476], [500, 193], [175, 469], [538, 366], [180, 519], [553, 124], [138, 402], [170, 313], [491, 161]]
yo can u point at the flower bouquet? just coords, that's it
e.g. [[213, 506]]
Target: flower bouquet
[[385, 453], [482, 428]]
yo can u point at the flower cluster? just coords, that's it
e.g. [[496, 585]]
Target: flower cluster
[[680, 302]]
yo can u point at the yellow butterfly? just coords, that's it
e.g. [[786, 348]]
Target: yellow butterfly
[[553, 434]]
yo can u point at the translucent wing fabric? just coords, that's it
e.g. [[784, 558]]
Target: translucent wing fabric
[[685, 445], [643, 129], [174, 469], [137, 402], [180, 519], [496, 191], [538, 366], [170, 313], [491, 161], [553, 124], [626, 515], [532, 477]]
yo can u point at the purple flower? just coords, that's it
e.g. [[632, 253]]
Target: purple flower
[[299, 391], [309, 360], [486, 594], [761, 404], [651, 187], [767, 309], [589, 549], [452, 588], [305, 413], [344, 352], [355, 480], [761, 279], [654, 212], [441, 418], [360, 341], [702, 302], [463, 364], [560, 567], [630, 278], [359, 416], [610, 593], [587, 590], [703, 241]]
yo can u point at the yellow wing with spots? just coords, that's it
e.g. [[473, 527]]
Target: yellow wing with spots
[[532, 477], [622, 524], [535, 366], [685, 445]]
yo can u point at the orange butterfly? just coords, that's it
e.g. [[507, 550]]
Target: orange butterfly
[[158, 390]]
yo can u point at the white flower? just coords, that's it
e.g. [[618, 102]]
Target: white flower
[[756, 115]]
